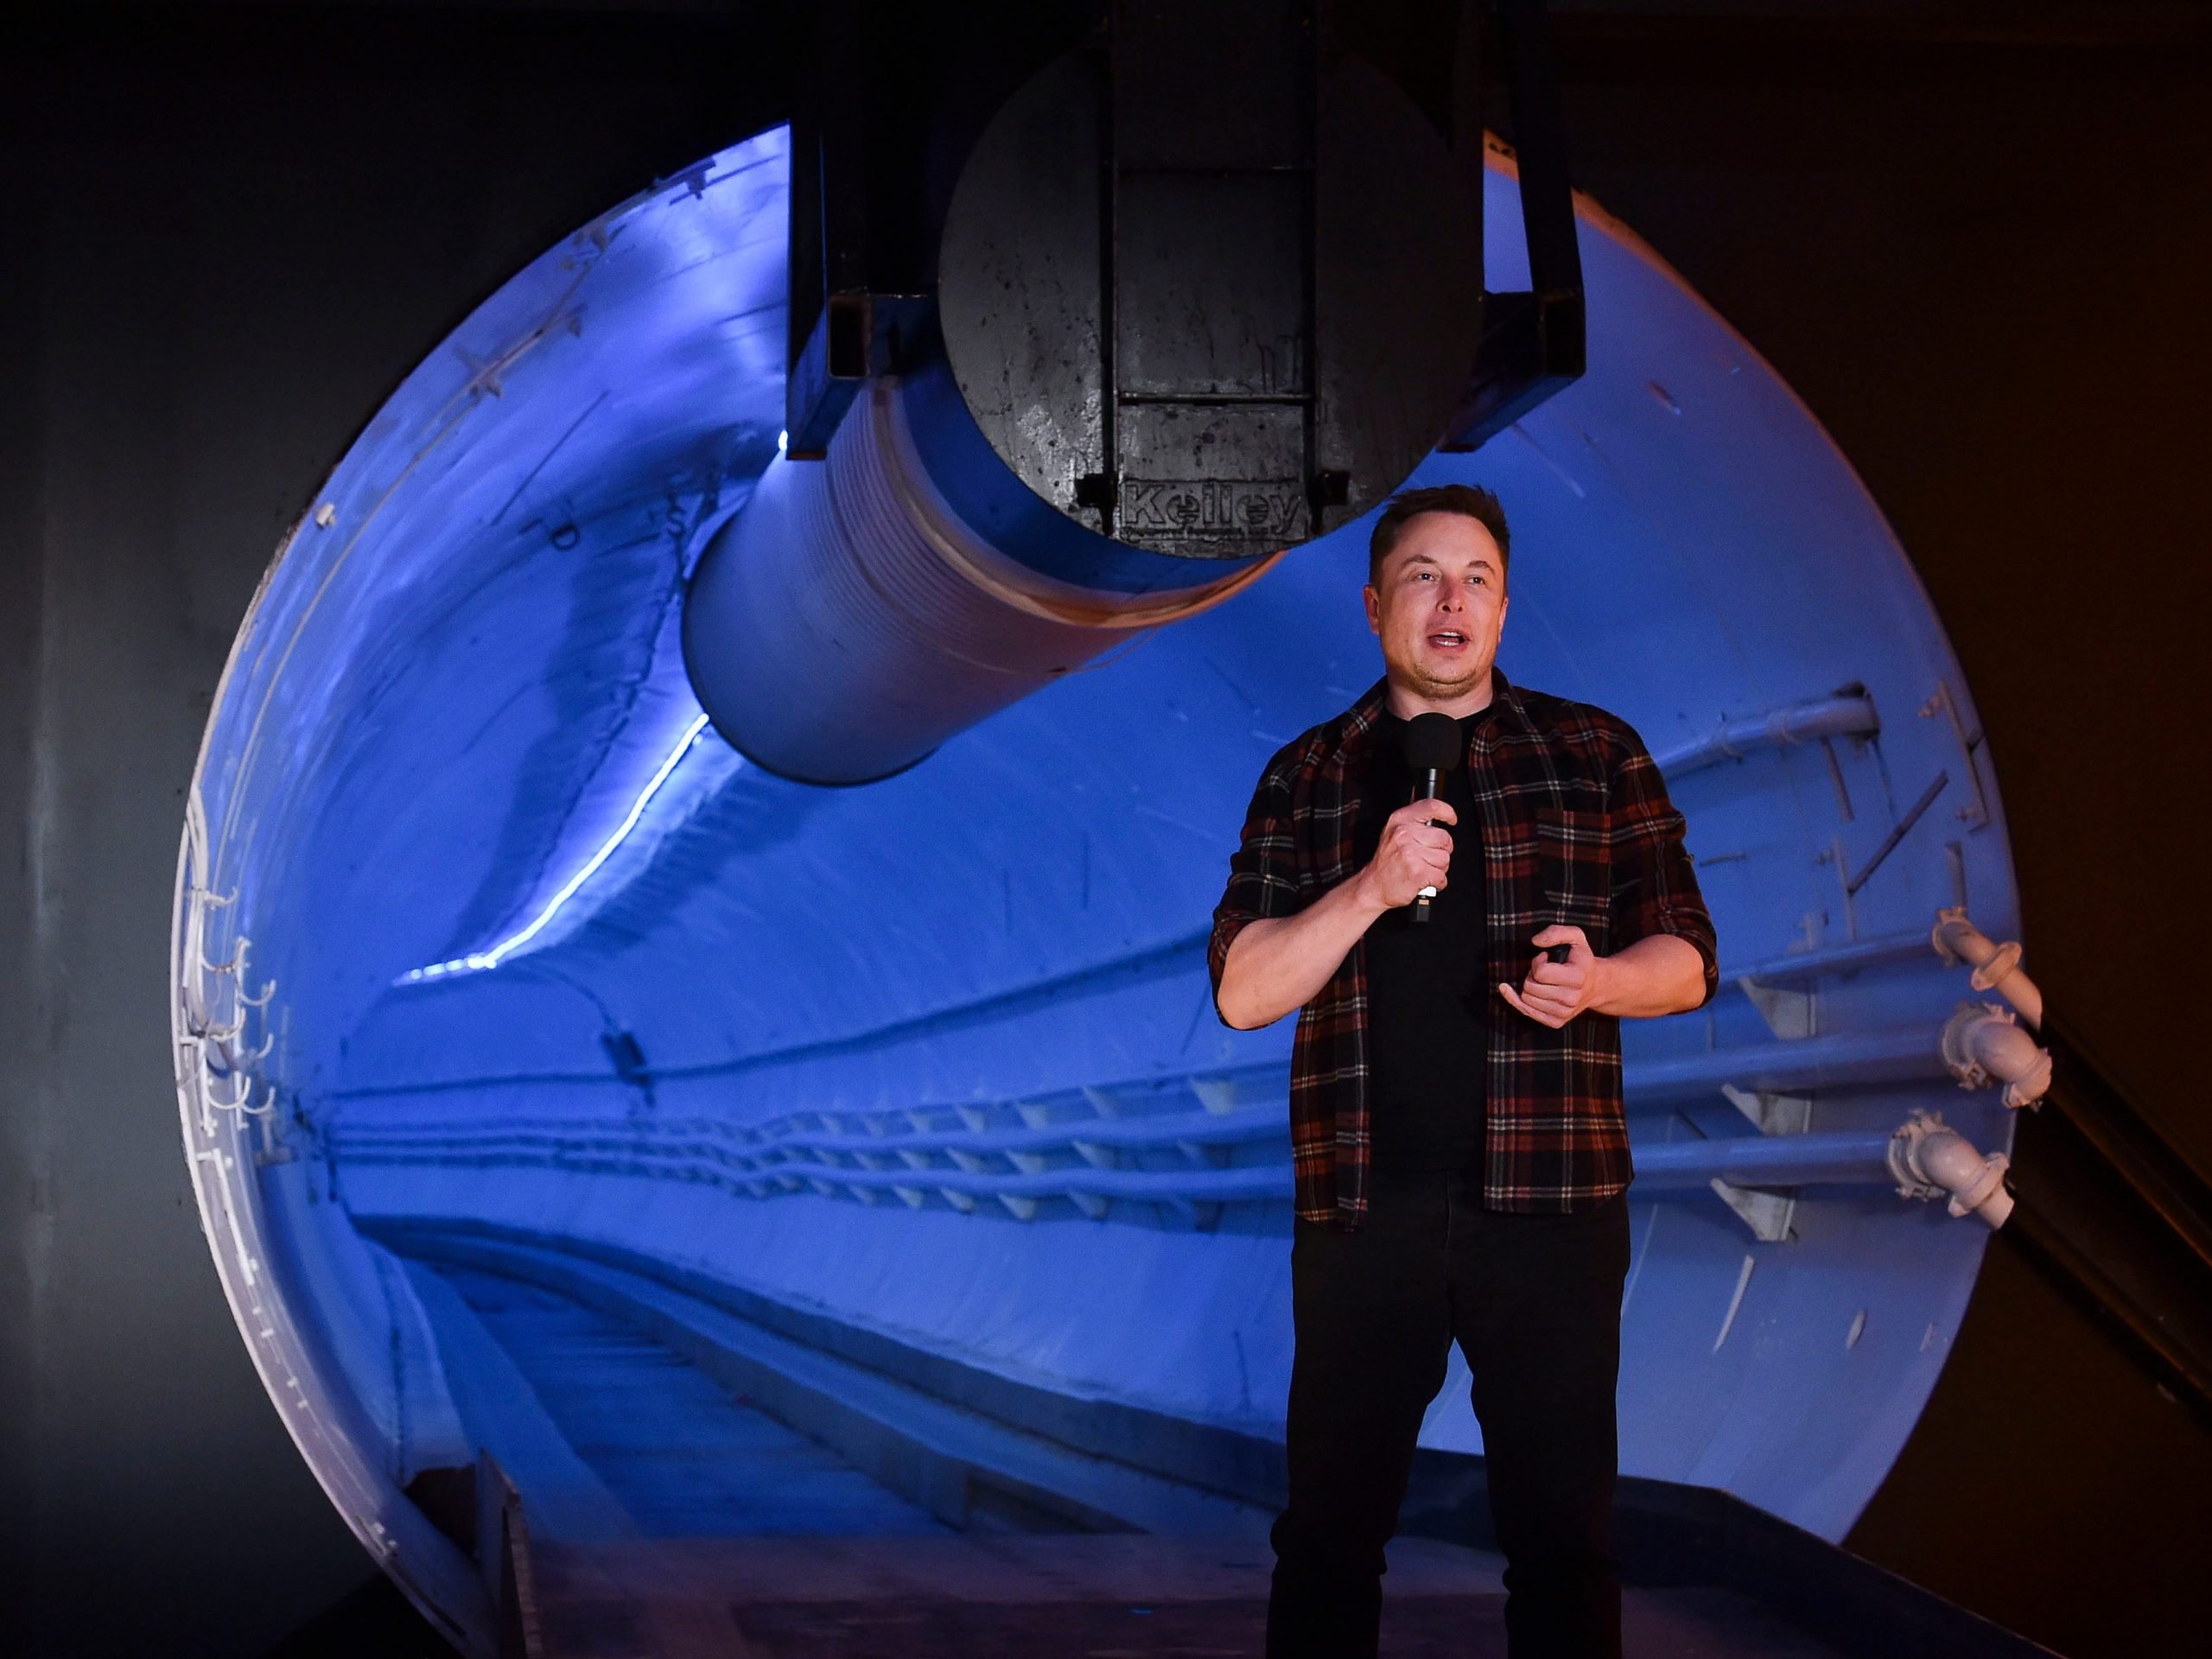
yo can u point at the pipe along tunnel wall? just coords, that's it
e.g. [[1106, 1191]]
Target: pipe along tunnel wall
[[490, 953]]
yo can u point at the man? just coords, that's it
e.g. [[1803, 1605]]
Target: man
[[1461, 1153]]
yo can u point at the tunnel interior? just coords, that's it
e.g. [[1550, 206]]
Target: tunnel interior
[[518, 1014]]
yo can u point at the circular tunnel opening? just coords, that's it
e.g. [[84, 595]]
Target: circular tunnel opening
[[529, 1033]]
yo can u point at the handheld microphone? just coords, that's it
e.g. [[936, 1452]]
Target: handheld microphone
[[1432, 748]]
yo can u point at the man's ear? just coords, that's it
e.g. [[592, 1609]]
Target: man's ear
[[1373, 601]]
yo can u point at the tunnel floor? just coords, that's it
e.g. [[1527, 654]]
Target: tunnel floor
[[681, 1456], [741, 1537]]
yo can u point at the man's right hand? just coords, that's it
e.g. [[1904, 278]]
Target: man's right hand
[[1411, 855], [1281, 962]]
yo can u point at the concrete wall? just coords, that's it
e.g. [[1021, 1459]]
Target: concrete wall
[[225, 246]]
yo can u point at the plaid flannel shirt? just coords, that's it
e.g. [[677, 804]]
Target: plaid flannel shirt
[[1576, 827]]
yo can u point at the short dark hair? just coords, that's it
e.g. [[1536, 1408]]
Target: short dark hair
[[1468, 500]]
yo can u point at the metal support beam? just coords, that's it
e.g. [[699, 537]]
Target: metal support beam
[[1534, 344]]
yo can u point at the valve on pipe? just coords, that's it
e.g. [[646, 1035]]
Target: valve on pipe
[[1983, 1044], [1089, 327], [1929, 1159], [1996, 967]]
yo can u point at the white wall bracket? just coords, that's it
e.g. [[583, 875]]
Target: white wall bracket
[[1771, 1113], [1768, 1211]]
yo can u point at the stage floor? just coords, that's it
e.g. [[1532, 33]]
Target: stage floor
[[1091, 1597]]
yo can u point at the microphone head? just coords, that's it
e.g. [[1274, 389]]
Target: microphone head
[[1432, 743]]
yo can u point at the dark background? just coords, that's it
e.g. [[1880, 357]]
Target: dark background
[[1976, 240]]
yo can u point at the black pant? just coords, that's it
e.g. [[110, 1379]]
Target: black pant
[[1534, 1302]]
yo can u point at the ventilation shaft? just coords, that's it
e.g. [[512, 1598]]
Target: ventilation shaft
[[1199, 292]]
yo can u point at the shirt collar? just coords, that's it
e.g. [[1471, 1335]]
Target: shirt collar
[[1364, 715]]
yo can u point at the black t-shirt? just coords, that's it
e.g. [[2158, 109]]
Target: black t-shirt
[[1428, 995]]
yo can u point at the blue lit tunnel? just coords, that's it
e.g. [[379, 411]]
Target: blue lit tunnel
[[511, 998]]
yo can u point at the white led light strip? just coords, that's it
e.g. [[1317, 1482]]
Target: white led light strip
[[478, 962]]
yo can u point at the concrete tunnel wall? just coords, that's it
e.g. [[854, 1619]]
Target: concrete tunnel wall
[[462, 680]]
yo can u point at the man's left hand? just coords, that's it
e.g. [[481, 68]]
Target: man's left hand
[[1554, 992]]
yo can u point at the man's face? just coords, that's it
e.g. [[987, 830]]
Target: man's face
[[1438, 605]]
